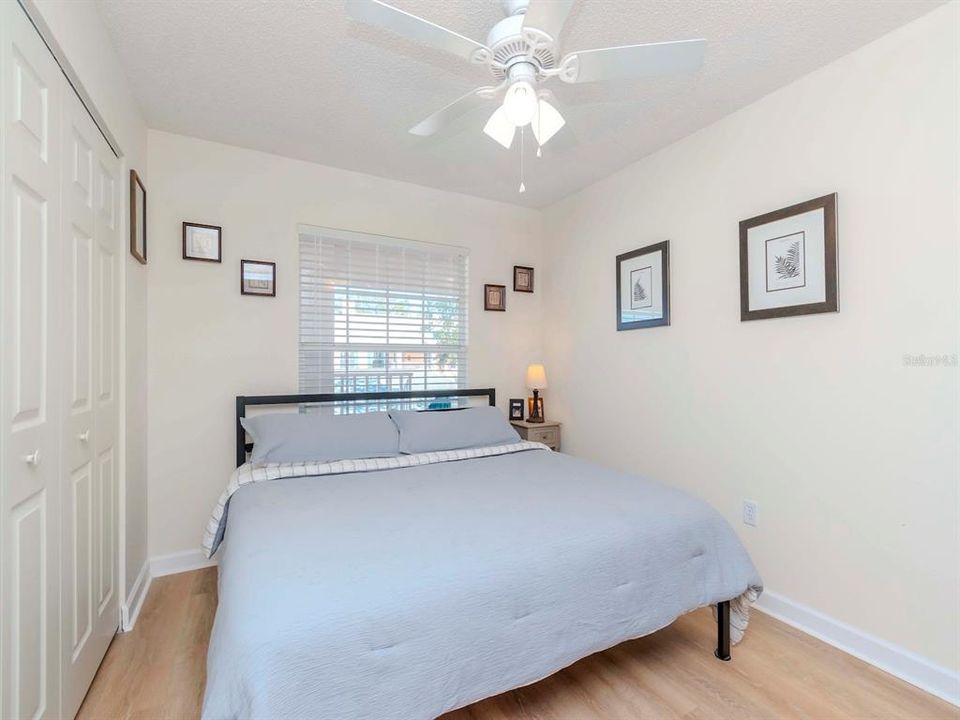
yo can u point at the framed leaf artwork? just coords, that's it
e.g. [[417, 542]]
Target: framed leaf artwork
[[788, 261], [643, 287]]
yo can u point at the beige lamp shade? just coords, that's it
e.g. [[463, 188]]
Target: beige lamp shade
[[536, 377]]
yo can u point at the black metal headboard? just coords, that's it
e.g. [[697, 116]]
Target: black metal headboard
[[244, 400]]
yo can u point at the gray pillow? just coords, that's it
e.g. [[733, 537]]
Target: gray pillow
[[312, 437], [452, 430]]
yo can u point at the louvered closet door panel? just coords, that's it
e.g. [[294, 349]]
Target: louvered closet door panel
[[32, 88], [83, 518]]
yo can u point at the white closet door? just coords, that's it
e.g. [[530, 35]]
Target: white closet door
[[107, 257], [32, 87], [88, 401], [108, 253]]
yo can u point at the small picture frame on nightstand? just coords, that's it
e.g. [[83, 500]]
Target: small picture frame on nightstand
[[516, 409]]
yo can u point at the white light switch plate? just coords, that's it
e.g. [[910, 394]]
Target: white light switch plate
[[751, 513]]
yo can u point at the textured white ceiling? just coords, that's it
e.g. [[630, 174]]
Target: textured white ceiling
[[301, 79]]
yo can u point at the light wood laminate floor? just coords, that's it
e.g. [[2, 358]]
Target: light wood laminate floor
[[158, 671]]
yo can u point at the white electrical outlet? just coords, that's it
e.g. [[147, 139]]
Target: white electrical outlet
[[751, 513]]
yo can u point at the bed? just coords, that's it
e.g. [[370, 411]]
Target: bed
[[408, 586]]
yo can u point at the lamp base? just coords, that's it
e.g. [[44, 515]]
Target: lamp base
[[535, 416]]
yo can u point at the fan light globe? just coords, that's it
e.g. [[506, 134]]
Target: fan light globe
[[546, 123], [520, 103]]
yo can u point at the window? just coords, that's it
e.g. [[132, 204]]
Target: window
[[379, 314]]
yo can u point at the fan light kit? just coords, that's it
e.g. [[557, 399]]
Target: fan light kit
[[521, 53]]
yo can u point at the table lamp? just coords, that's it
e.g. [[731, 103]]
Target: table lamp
[[536, 381]]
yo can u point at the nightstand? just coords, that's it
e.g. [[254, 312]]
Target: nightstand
[[547, 432]]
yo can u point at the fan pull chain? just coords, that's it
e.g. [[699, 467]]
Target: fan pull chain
[[539, 134], [523, 188]]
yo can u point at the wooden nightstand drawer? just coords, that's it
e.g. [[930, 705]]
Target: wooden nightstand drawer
[[548, 436], [547, 433]]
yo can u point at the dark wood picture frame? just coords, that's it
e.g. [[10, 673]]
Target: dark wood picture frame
[[273, 278], [136, 183], [219, 230], [516, 408], [829, 205], [516, 285], [488, 305], [664, 248]]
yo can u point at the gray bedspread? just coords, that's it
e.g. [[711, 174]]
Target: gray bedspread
[[406, 593]]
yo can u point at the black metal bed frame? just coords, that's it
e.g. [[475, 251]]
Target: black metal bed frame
[[723, 608], [723, 630], [300, 399]]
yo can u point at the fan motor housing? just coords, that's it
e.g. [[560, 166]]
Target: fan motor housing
[[508, 45]]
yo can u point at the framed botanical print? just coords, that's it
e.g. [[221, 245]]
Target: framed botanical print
[[258, 277], [788, 261], [522, 279], [202, 242], [516, 409], [495, 297], [643, 287], [138, 218]]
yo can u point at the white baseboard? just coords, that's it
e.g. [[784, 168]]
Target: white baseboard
[[157, 567], [179, 562], [138, 593], [897, 661]]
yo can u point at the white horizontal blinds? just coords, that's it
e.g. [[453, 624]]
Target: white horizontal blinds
[[379, 315]]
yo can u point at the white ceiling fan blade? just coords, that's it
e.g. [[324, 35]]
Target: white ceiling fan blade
[[547, 122], [547, 15], [500, 129], [633, 61], [451, 112], [415, 28]]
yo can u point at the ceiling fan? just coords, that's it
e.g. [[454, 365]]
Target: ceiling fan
[[521, 53]]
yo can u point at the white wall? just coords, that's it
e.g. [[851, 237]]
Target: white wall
[[208, 343], [77, 27], [852, 456]]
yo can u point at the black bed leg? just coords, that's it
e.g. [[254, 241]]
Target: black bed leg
[[723, 631]]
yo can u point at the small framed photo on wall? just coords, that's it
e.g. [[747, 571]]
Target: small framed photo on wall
[[516, 409], [788, 261], [202, 242], [495, 297], [522, 279], [643, 287], [258, 277]]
